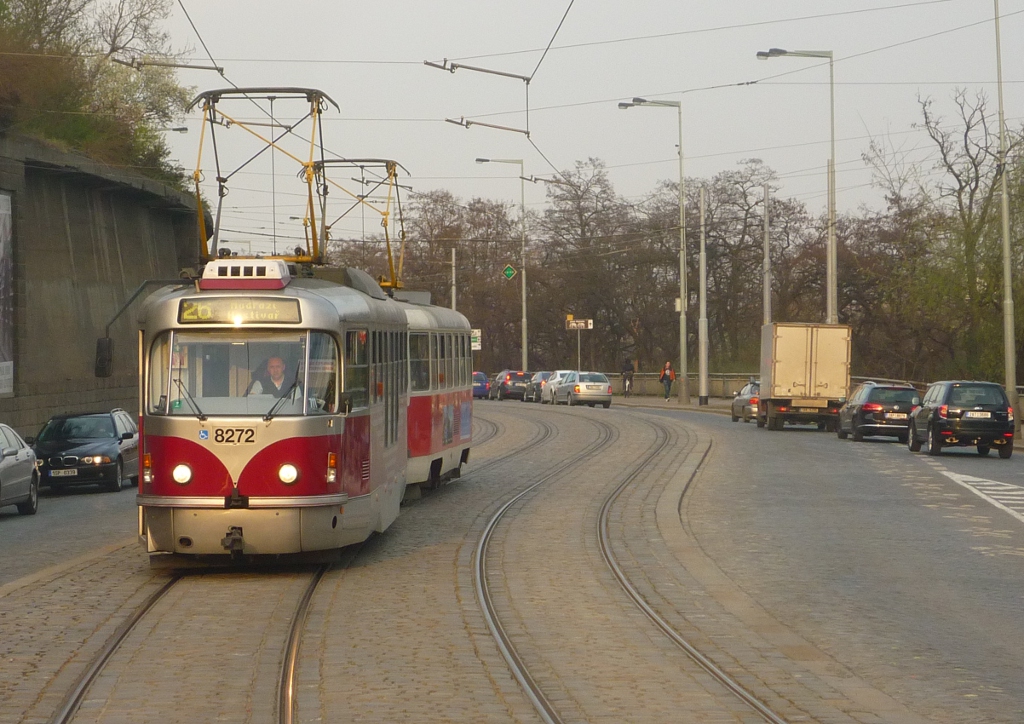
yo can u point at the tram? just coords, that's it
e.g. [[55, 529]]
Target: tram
[[440, 413], [236, 462]]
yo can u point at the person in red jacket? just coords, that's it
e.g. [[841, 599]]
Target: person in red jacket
[[668, 376]]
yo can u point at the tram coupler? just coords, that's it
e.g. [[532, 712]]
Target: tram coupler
[[233, 542]]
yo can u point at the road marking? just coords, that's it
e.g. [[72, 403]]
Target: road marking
[[1006, 497]]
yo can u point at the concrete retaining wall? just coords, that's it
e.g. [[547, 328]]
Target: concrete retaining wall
[[85, 237]]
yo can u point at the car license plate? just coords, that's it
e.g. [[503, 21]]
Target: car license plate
[[68, 473], [895, 416], [593, 387], [977, 414], [808, 409], [234, 435]]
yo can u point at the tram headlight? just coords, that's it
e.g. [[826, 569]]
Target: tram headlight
[[288, 474], [182, 474]]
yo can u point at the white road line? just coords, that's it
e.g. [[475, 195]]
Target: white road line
[[1001, 495]]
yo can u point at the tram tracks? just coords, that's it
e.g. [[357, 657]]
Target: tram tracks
[[286, 693], [520, 668], [605, 544]]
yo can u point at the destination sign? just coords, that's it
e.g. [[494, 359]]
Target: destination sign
[[239, 310]]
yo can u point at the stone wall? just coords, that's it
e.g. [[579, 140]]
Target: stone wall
[[85, 237]]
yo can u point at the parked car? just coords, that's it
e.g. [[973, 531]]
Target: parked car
[[509, 384], [536, 386], [878, 409], [19, 479], [481, 385], [547, 395], [744, 402], [960, 413], [585, 388], [93, 448]]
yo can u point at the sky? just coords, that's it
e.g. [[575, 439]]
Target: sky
[[369, 58]]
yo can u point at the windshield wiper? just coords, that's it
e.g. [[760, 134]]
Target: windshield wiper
[[190, 400], [280, 401]]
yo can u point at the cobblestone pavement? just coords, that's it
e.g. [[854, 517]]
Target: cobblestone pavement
[[399, 636]]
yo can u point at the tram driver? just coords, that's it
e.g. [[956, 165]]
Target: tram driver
[[276, 384]]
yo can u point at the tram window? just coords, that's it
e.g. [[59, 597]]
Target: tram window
[[200, 372], [419, 360], [322, 381], [442, 352], [356, 367]]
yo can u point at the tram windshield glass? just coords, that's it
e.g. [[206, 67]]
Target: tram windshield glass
[[246, 372]]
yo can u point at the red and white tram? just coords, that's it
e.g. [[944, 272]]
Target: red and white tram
[[440, 395], [239, 458]]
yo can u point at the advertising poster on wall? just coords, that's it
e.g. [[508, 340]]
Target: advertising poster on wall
[[6, 297]]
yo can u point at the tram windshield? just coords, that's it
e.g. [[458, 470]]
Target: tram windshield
[[246, 372]]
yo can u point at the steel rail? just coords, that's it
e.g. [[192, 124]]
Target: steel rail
[[604, 541], [520, 670], [286, 692], [73, 700]]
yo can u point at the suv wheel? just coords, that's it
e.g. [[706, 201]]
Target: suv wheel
[[1005, 451], [934, 442], [840, 432], [858, 436], [984, 450], [913, 444]]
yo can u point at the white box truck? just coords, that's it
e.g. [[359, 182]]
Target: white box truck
[[805, 374]]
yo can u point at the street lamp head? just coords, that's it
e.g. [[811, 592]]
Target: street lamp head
[[483, 160], [771, 53], [624, 106], [639, 100]]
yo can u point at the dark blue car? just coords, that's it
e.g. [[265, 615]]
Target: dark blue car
[[481, 385]]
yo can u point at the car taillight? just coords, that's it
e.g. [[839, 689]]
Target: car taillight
[[609, 389], [576, 389], [508, 378], [754, 400], [944, 411], [1009, 414], [872, 407], [543, 382]]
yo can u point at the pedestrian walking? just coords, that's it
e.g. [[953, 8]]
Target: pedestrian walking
[[668, 376]]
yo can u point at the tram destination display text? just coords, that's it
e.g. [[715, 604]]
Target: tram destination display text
[[239, 310]]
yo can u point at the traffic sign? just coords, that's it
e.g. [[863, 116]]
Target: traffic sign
[[508, 272], [474, 340], [578, 324]]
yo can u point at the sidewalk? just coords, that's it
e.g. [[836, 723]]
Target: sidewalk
[[717, 405]]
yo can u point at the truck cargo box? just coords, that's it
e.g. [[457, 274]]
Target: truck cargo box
[[805, 361]]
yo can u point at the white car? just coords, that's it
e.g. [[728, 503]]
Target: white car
[[19, 479], [547, 395]]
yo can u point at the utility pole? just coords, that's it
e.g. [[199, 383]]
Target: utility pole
[[453, 277]]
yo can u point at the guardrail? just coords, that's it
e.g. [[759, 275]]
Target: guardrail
[[726, 384]]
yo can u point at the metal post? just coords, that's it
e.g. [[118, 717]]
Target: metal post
[[453, 277], [684, 384], [767, 268], [832, 311], [702, 323], [1009, 334], [579, 364], [522, 255]]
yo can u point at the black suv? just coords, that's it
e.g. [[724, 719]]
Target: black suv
[[878, 409], [89, 448], [509, 384], [959, 413]]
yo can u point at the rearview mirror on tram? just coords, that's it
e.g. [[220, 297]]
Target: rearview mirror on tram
[[104, 357]]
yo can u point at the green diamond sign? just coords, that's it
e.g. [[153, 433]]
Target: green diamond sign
[[508, 272]]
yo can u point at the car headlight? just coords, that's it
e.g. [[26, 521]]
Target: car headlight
[[95, 459], [288, 474]]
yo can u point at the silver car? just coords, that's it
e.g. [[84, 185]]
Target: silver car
[[19, 478], [584, 388], [547, 394]]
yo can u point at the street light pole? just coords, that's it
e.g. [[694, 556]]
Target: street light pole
[[831, 265], [522, 248], [1009, 335], [684, 387]]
